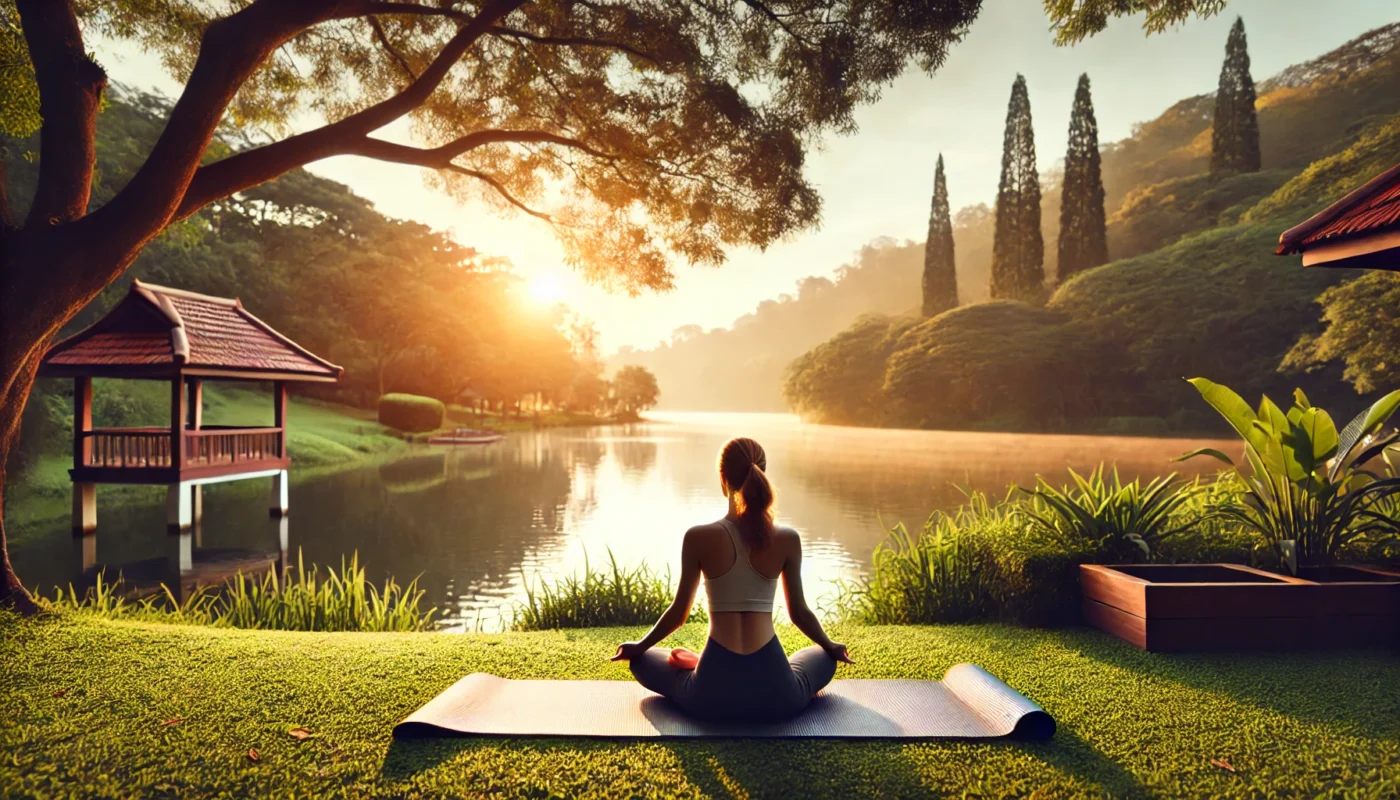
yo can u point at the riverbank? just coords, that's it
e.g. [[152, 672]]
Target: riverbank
[[87, 704]]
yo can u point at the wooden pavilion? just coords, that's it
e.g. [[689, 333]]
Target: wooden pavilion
[[1362, 230], [183, 338]]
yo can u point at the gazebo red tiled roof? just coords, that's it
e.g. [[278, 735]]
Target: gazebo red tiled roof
[[1360, 230], [156, 330]]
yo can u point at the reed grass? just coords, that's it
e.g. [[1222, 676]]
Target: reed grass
[[304, 599], [948, 573], [599, 598]]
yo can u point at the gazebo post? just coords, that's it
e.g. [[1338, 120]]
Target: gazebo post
[[277, 498], [194, 399], [84, 494], [178, 497]]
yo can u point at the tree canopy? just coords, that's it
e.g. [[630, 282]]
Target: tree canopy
[[1234, 141], [1083, 229], [940, 275], [1018, 246]]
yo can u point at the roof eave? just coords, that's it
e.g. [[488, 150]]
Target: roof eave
[[1289, 240]]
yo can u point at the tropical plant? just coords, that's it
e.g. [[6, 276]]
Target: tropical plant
[[1107, 517], [598, 599], [1306, 490]]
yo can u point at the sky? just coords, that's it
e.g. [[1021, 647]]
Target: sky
[[878, 181]]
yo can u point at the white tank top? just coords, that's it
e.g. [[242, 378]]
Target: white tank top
[[741, 587]]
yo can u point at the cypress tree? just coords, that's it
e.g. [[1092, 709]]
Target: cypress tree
[[940, 279], [1234, 141], [1018, 251], [1083, 232]]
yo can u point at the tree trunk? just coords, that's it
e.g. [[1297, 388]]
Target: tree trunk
[[20, 378]]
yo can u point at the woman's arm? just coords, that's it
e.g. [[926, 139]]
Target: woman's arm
[[800, 613], [675, 615]]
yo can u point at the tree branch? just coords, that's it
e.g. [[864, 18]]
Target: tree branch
[[501, 190], [441, 157], [70, 91], [230, 50], [410, 8], [390, 49], [251, 167], [571, 41]]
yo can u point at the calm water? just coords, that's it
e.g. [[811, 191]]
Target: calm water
[[477, 523]]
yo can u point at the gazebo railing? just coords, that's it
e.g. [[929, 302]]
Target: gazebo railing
[[128, 447], [150, 447], [232, 445]]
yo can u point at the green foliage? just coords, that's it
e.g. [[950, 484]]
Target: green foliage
[[1116, 521], [19, 94], [1083, 235], [940, 275], [999, 359], [1155, 216], [946, 574], [303, 600], [1234, 143], [1168, 326], [1305, 489], [1076, 20], [601, 598], [1362, 333], [841, 381], [1331, 178], [1018, 249], [635, 390], [411, 413]]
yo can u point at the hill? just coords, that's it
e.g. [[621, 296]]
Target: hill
[[1156, 195]]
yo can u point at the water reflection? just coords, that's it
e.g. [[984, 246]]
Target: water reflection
[[474, 524]]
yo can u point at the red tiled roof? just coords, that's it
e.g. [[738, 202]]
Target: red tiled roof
[[1373, 208], [155, 325]]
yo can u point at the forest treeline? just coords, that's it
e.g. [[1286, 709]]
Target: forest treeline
[[401, 306], [1193, 287]]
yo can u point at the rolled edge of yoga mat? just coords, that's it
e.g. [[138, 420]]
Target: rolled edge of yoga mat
[[1006, 711], [456, 702]]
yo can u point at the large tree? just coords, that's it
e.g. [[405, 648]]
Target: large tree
[[665, 131], [1018, 247], [940, 279], [1083, 230], [1234, 139]]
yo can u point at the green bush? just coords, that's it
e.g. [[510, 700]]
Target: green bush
[[599, 599], [411, 413]]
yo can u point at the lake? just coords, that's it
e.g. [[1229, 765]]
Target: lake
[[479, 522]]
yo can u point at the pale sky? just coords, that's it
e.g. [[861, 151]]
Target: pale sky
[[878, 181]]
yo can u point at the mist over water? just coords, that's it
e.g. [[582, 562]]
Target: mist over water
[[478, 523]]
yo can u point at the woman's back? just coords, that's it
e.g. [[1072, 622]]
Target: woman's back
[[741, 581]]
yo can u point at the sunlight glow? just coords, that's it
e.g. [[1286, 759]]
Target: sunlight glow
[[546, 288]]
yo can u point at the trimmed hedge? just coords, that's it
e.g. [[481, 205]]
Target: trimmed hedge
[[411, 413]]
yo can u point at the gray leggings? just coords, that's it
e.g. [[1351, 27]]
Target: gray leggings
[[763, 685]]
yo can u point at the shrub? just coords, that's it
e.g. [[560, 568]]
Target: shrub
[[599, 599], [343, 600], [411, 413], [1113, 520]]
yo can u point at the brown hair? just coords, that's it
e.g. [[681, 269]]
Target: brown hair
[[741, 465]]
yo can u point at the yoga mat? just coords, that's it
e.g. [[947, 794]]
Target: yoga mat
[[969, 703]]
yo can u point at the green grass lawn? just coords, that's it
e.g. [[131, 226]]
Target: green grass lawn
[[1131, 723]]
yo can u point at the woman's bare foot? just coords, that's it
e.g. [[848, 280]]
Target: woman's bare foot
[[682, 658]]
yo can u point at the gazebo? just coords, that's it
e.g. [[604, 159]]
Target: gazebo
[[1362, 230], [182, 338]]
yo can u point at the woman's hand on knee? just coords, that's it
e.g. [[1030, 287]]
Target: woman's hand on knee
[[628, 651], [838, 651]]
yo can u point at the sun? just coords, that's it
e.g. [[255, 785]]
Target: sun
[[546, 287]]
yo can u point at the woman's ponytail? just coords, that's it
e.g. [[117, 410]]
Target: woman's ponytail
[[741, 465]]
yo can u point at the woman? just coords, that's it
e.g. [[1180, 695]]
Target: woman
[[743, 673]]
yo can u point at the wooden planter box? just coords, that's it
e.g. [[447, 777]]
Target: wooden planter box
[[1176, 608]]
